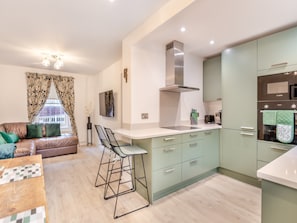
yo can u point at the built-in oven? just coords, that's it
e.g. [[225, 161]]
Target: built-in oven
[[277, 103], [276, 87], [269, 128]]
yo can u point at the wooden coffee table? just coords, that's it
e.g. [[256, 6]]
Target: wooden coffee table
[[23, 195]]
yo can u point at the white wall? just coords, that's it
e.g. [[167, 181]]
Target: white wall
[[148, 76], [109, 79], [13, 99], [193, 77], [148, 67]]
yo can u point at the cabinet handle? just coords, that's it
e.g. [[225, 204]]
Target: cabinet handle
[[169, 139], [167, 150], [193, 144], [279, 64], [193, 135], [207, 133], [278, 148], [193, 162], [246, 133], [169, 170], [247, 128], [279, 95]]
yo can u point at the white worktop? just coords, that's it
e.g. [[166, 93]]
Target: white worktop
[[157, 132], [282, 170]]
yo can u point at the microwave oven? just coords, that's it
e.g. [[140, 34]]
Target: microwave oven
[[277, 87]]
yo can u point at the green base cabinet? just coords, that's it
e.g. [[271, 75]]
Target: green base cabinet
[[279, 203], [268, 151], [239, 152], [176, 161]]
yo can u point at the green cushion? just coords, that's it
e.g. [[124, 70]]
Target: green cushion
[[2, 140], [34, 131], [7, 150], [10, 137], [52, 129]]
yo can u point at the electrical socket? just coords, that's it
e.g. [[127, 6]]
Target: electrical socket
[[144, 115]]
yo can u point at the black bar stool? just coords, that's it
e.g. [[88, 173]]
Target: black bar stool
[[125, 153]]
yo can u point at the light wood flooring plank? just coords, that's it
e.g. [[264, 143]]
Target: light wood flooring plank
[[72, 197]]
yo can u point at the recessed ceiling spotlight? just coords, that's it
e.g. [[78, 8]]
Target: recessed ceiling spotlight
[[211, 42], [111, 0], [183, 29]]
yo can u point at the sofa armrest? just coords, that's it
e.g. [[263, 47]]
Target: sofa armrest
[[25, 148]]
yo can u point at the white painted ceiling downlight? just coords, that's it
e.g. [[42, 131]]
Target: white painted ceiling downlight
[[211, 42], [183, 29]]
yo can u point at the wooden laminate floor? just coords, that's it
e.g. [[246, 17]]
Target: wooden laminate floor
[[72, 197]]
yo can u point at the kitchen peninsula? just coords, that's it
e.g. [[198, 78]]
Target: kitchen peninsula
[[176, 158], [279, 189]]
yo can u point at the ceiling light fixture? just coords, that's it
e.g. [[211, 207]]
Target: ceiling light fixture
[[57, 59], [211, 42], [183, 29]]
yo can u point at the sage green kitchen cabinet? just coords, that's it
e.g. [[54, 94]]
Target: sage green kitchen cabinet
[[210, 149], [239, 151], [191, 155], [268, 151], [278, 203], [277, 52], [175, 161], [239, 86], [212, 79], [239, 109]]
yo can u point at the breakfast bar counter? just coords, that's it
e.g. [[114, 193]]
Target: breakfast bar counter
[[176, 158], [158, 132], [279, 189]]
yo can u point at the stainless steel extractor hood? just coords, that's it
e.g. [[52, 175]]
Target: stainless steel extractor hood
[[175, 68]]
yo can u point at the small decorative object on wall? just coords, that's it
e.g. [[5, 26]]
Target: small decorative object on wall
[[194, 117], [126, 74]]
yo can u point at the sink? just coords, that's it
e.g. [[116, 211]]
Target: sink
[[181, 127]]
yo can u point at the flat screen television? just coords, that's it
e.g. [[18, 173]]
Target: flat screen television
[[106, 103]]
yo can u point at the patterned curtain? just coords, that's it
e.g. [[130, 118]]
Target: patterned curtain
[[38, 87], [65, 91]]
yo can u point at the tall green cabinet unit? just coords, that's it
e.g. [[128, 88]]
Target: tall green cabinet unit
[[239, 115]]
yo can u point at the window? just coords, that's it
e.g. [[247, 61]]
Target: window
[[53, 112]]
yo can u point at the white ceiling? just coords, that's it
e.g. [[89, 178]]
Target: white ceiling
[[227, 22], [89, 33]]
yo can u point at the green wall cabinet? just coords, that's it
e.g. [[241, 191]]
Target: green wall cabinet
[[277, 52], [239, 86], [239, 115], [212, 79]]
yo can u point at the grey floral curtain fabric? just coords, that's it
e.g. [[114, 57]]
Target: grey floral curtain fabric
[[65, 90], [38, 87]]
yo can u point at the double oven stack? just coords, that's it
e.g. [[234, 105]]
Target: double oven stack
[[277, 94]]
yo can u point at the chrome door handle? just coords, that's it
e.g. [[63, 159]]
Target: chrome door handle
[[278, 148], [246, 133]]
